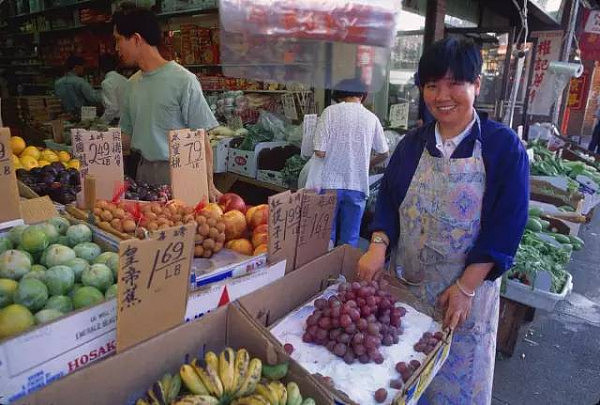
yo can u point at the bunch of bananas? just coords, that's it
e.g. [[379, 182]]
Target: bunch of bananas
[[229, 378], [163, 392]]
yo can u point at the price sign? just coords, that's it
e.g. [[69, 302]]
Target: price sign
[[101, 155], [10, 214], [284, 221], [315, 226], [289, 106], [399, 115], [187, 161], [153, 284]]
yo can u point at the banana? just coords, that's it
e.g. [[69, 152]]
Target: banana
[[251, 379], [276, 372], [197, 400], [280, 390], [166, 381], [242, 359], [227, 370], [157, 394], [192, 380], [309, 401], [251, 400], [267, 393], [174, 388], [142, 401], [210, 378], [293, 394]]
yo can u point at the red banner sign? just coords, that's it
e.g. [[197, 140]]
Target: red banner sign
[[589, 41], [577, 92]]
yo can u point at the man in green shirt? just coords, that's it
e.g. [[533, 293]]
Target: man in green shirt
[[74, 91], [161, 96]]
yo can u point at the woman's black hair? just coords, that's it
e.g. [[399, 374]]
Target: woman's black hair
[[459, 57], [130, 19], [349, 88]]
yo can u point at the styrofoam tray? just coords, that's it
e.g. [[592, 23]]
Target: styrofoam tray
[[536, 298]]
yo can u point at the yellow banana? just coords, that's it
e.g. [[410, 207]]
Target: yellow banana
[[242, 359], [267, 393], [174, 388], [227, 370], [251, 400], [142, 401], [281, 391], [157, 393], [210, 378], [251, 379], [293, 394], [192, 380], [197, 400]]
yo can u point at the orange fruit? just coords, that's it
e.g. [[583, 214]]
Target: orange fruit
[[17, 144]]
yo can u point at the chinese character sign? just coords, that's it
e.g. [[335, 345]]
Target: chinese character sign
[[100, 155], [577, 92], [8, 182], [541, 86], [187, 161], [284, 221], [153, 283], [589, 40]]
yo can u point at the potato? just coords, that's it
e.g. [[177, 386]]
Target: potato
[[200, 219], [221, 237], [188, 210], [97, 211], [198, 250], [208, 244], [198, 238], [176, 217], [188, 218], [220, 226], [156, 208], [110, 206], [204, 229], [152, 226], [128, 225], [211, 222], [151, 216], [116, 223], [102, 204], [119, 213], [106, 216]]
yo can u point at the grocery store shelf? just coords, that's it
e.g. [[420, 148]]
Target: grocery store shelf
[[51, 9], [188, 12]]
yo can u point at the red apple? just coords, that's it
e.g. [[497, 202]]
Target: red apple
[[232, 201], [260, 239], [243, 246], [261, 249], [264, 228]]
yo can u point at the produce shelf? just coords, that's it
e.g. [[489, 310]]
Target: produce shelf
[[51, 9], [188, 12], [535, 298]]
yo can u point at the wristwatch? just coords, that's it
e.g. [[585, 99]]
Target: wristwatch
[[379, 239]]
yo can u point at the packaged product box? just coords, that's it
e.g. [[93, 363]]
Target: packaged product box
[[124, 378], [287, 298]]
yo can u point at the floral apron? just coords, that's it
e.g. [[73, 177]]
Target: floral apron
[[439, 222]]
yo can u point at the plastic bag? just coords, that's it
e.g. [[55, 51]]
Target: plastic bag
[[273, 124], [314, 179]]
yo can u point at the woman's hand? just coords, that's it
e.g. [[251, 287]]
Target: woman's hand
[[458, 306], [371, 262]]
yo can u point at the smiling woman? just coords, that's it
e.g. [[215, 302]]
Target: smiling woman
[[453, 203]]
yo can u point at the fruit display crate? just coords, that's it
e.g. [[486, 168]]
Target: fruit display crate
[[276, 304], [534, 297], [48, 352], [128, 379]]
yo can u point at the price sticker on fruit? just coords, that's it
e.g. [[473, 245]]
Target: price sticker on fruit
[[187, 161], [10, 214], [153, 283], [101, 155]]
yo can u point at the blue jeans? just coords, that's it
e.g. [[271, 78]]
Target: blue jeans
[[349, 209], [595, 143]]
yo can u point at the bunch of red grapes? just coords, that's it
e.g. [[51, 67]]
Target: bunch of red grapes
[[354, 323]]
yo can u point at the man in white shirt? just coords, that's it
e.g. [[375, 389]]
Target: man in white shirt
[[113, 86], [346, 133]]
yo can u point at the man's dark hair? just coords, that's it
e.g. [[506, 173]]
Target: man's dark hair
[[349, 88], [74, 60], [108, 62], [130, 19], [459, 57]]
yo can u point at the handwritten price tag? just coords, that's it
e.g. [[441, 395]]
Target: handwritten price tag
[[101, 155], [187, 160], [153, 284], [284, 221], [10, 212], [315, 226]]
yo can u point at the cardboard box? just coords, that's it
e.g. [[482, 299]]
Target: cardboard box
[[245, 162], [220, 155], [123, 378], [271, 177], [269, 305]]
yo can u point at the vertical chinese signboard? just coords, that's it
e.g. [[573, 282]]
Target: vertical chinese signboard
[[541, 88], [10, 213], [589, 40], [153, 283], [187, 161], [577, 92], [100, 155]]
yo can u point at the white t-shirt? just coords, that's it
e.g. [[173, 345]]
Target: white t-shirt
[[113, 86], [449, 146], [347, 132]]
